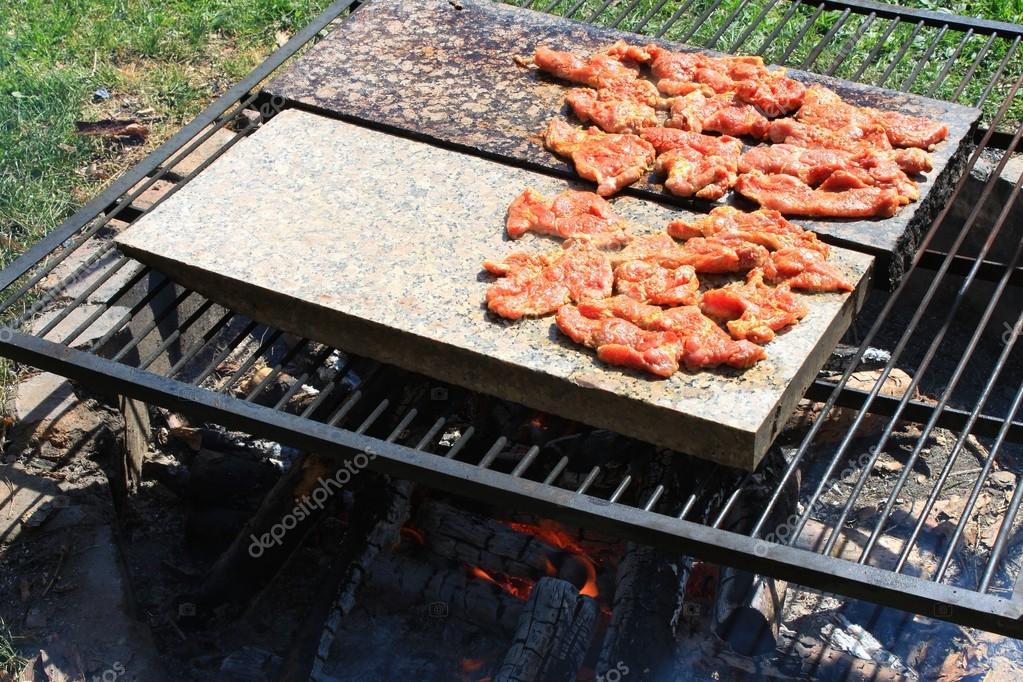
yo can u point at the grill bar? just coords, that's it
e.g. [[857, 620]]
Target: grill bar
[[931, 50]]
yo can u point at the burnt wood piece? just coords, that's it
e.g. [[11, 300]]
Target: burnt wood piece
[[255, 556], [649, 583], [136, 441], [747, 611], [462, 536], [553, 635], [367, 548], [445, 71], [443, 589]]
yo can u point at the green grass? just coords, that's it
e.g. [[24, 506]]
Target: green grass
[[168, 56], [165, 58], [11, 660]]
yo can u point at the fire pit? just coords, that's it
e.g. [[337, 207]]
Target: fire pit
[[895, 482]]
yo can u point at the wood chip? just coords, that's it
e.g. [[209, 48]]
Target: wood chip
[[112, 128], [895, 384]]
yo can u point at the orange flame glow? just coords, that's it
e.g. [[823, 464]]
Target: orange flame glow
[[513, 585], [471, 665], [413, 534], [556, 536]]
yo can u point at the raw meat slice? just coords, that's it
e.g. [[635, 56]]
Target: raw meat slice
[[690, 174], [825, 108], [696, 165], [612, 161], [704, 343], [851, 138], [773, 95], [679, 73], [639, 54], [572, 214], [720, 113], [620, 342], [656, 247], [713, 255], [532, 285], [652, 282], [816, 166], [613, 110], [764, 227], [571, 67], [805, 269], [753, 310], [791, 196]]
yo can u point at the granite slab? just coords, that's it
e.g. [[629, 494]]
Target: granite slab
[[374, 243], [444, 71]]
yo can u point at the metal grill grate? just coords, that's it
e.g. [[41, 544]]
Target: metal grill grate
[[168, 342]]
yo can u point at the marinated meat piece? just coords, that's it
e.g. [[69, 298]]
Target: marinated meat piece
[[697, 165], [637, 90], [720, 113], [825, 108], [651, 282], [570, 215], [591, 71], [612, 161], [807, 270], [632, 53], [913, 161], [791, 196], [861, 178], [689, 173], [614, 109], [666, 139], [753, 310], [816, 166], [764, 227], [713, 255], [717, 255], [680, 73], [656, 247], [773, 95], [533, 285], [852, 138], [620, 342], [812, 166], [704, 343]]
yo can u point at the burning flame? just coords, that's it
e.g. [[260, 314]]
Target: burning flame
[[413, 534], [513, 585], [555, 535], [471, 665]]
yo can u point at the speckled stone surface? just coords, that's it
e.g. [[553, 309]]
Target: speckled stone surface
[[374, 242], [447, 73]]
